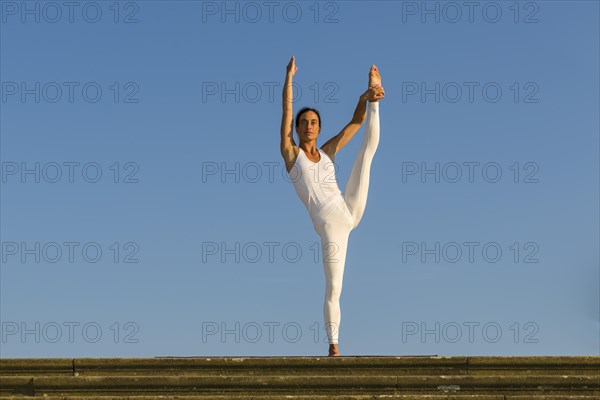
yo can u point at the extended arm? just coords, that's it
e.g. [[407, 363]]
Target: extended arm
[[287, 119], [360, 114]]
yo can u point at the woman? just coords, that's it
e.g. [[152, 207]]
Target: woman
[[333, 214]]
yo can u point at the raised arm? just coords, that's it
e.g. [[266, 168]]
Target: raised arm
[[287, 119]]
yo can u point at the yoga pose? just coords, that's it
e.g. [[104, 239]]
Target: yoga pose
[[312, 172]]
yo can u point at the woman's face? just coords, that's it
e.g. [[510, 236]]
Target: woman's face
[[308, 126]]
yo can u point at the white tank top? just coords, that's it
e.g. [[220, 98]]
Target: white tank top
[[315, 183]]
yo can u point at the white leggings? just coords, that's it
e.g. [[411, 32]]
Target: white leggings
[[342, 216]]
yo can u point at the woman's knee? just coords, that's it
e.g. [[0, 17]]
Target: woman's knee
[[334, 291]]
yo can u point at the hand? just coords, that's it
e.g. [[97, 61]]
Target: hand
[[291, 67], [374, 93]]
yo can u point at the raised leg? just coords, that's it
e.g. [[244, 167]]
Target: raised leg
[[357, 187]]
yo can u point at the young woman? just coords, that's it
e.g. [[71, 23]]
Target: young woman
[[312, 172]]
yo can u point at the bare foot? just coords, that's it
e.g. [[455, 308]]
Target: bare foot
[[333, 350], [374, 77]]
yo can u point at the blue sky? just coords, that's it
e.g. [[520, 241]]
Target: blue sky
[[145, 209]]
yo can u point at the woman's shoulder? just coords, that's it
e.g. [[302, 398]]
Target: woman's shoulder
[[326, 148]]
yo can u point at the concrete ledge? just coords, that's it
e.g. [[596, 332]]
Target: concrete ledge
[[321, 397], [36, 366], [270, 365], [301, 365], [429, 377], [587, 362], [16, 386]]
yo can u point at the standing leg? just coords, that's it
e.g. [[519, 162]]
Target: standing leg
[[357, 187], [334, 259], [334, 232]]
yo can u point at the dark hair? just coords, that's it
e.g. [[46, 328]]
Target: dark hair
[[306, 109]]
